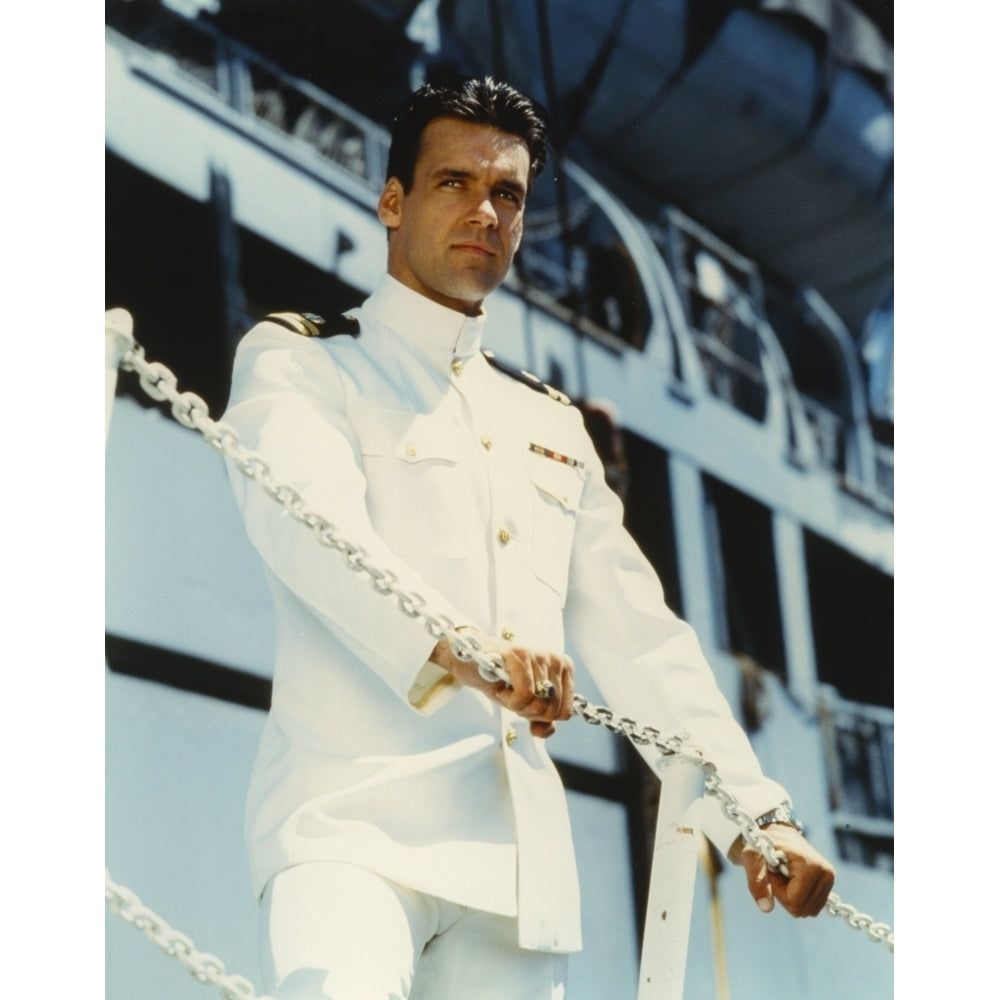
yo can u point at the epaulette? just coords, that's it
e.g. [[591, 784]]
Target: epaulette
[[311, 325], [526, 378]]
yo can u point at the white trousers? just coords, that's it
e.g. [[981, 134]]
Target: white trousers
[[332, 931]]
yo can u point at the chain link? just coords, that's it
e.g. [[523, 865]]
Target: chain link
[[205, 967], [191, 411], [877, 932]]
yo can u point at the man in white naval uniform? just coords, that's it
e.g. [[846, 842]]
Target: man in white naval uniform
[[408, 832]]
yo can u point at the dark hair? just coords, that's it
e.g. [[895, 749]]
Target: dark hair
[[482, 101]]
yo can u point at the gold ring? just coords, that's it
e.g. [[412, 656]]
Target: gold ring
[[545, 690]]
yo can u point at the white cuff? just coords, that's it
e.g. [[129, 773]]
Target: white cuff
[[431, 688]]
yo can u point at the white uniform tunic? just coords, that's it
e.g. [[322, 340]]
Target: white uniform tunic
[[487, 498]]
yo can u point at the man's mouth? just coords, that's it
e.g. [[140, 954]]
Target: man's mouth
[[479, 249]]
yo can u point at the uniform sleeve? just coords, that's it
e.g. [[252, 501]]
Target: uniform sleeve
[[287, 406], [646, 661]]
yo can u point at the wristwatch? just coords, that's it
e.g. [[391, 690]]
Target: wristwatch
[[782, 814]]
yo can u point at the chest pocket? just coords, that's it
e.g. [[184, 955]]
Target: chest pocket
[[558, 489], [416, 495]]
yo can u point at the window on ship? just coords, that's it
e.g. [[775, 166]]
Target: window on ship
[[852, 621]]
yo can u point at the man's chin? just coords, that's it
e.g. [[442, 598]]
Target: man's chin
[[470, 294]]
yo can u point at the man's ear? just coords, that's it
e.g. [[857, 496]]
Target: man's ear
[[390, 204]]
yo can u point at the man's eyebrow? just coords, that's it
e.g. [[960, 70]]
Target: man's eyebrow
[[451, 173]]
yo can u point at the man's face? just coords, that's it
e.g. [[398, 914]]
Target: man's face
[[453, 236]]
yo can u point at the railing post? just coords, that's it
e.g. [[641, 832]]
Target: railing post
[[671, 881], [117, 340]]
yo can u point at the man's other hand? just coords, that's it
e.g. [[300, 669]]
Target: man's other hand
[[804, 892]]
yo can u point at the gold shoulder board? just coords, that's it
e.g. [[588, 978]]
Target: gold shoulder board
[[311, 325], [526, 378]]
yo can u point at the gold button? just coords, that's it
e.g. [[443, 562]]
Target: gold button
[[411, 449], [510, 737], [508, 634], [486, 442], [504, 535], [457, 367]]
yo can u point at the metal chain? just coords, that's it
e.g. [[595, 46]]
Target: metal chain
[[191, 411], [678, 746], [206, 968], [877, 932]]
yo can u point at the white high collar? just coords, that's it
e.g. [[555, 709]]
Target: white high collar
[[441, 333]]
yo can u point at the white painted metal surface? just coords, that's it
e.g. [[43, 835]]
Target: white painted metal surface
[[671, 882], [117, 337]]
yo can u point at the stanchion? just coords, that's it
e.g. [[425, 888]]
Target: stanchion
[[671, 881], [117, 340]]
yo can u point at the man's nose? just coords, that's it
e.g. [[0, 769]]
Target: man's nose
[[484, 213]]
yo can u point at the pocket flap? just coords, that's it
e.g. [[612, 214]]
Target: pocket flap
[[562, 483], [410, 437]]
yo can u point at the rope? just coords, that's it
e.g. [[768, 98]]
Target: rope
[[191, 411]]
